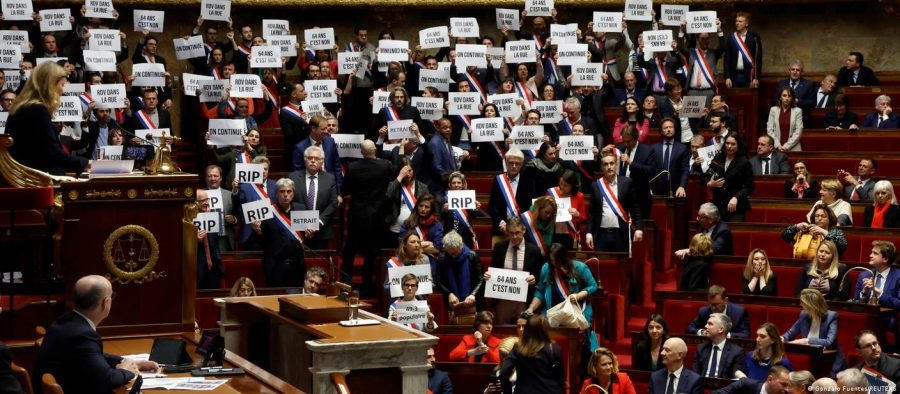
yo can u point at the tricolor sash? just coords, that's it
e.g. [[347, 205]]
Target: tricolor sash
[[422, 234], [475, 85], [609, 196], [702, 64], [231, 106], [554, 77], [562, 291], [284, 222], [500, 152], [533, 232], [243, 156], [582, 170], [466, 121], [391, 113], [408, 197], [214, 72], [512, 207], [567, 126], [524, 93], [149, 59], [271, 98], [570, 225], [538, 44], [260, 192], [245, 50], [463, 216], [745, 52], [661, 72], [393, 262], [295, 113], [144, 119], [351, 47], [85, 98], [140, 101], [684, 67]]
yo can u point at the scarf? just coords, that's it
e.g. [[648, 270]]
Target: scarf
[[456, 271], [800, 189], [878, 215], [539, 164]]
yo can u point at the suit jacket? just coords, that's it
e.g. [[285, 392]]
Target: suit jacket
[[673, 62], [37, 143], [294, 130], [73, 353], [866, 191], [891, 217], [887, 366], [829, 98], [754, 44], [740, 321], [227, 242], [827, 335], [866, 77], [326, 199], [541, 374], [890, 298], [534, 260], [246, 194], [643, 165], [642, 360], [282, 259], [722, 241], [778, 164], [738, 182], [805, 92], [712, 56], [497, 206], [831, 120], [731, 359], [679, 167], [367, 181], [332, 158], [621, 95], [743, 386], [773, 128], [165, 121], [392, 199], [871, 121], [440, 161], [689, 382], [439, 382], [625, 194]]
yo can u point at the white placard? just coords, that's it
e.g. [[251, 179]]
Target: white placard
[[551, 111], [312, 107], [40, 60], [212, 90], [496, 55], [400, 129], [105, 40], [430, 108], [347, 61], [380, 99], [275, 27], [701, 22], [17, 10], [265, 56], [362, 68], [638, 10], [576, 147], [464, 103], [657, 40], [506, 104], [10, 56], [304, 220], [527, 137], [412, 312], [71, 89], [257, 210], [55, 19], [108, 95], [564, 34], [539, 7], [287, 44], [3, 117], [672, 15], [506, 285], [151, 20], [470, 55], [149, 74], [421, 271], [321, 90], [444, 66], [708, 152], [114, 152], [693, 106], [521, 51], [349, 145], [608, 22], [216, 203], [192, 83], [14, 79], [507, 17], [434, 37], [487, 130], [249, 173], [393, 51], [319, 39], [464, 27], [99, 9], [16, 37], [562, 209], [439, 79], [461, 199], [189, 48], [215, 10], [571, 54], [207, 221], [246, 86], [587, 74], [227, 132], [69, 110]]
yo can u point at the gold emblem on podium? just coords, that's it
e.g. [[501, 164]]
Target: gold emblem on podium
[[130, 253]]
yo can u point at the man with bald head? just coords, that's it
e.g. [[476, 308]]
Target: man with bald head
[[73, 352], [675, 378]]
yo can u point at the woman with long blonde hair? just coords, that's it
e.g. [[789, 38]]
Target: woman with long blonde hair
[[824, 273], [758, 278]]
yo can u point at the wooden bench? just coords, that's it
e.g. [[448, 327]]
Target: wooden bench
[[878, 140]]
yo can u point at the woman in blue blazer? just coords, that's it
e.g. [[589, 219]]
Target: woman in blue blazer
[[815, 312]]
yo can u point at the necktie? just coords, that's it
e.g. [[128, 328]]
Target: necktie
[[855, 195], [880, 122], [766, 167], [209, 261], [622, 169], [714, 363], [793, 85], [821, 103], [515, 250], [878, 281], [670, 388], [311, 193], [666, 153]]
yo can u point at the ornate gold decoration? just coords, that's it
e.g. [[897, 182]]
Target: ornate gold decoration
[[93, 194], [132, 193], [417, 3], [73, 195], [16, 174], [130, 253], [188, 192], [170, 192]]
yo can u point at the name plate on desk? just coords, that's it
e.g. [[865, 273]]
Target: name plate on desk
[[314, 309], [111, 167]]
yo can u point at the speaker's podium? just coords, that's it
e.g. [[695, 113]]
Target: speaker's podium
[[137, 231]]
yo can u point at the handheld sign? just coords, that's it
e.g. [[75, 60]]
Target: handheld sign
[[380, 100], [506, 285], [16, 38], [571, 54], [527, 137], [464, 103], [215, 10], [672, 15], [412, 312], [507, 17], [506, 104], [430, 108], [576, 147], [539, 7], [10, 56], [150, 20], [69, 110], [461, 199], [496, 55], [3, 117], [638, 10], [421, 271], [587, 74], [608, 22], [564, 34], [189, 48], [470, 55], [276, 27], [285, 43], [657, 40], [149, 74], [111, 152], [71, 89], [14, 79], [349, 145], [321, 91], [55, 19], [393, 51], [487, 130], [693, 106], [249, 173], [701, 22], [304, 220], [192, 83], [17, 10], [551, 111], [108, 95], [435, 37], [99, 9], [212, 90], [464, 27], [319, 38], [521, 51], [312, 107], [207, 221], [562, 209], [216, 203], [258, 210], [400, 129], [347, 61], [227, 132], [105, 40], [246, 86], [439, 79], [362, 68], [708, 153], [265, 56]]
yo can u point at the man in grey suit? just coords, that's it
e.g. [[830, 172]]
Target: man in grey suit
[[316, 190], [703, 74], [768, 161], [860, 187], [213, 183]]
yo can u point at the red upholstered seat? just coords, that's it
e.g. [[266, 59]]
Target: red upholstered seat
[[27, 198], [679, 315]]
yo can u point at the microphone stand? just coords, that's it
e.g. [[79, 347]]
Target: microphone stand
[[873, 300], [661, 173]]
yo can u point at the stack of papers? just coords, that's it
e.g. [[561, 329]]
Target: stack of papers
[[197, 384]]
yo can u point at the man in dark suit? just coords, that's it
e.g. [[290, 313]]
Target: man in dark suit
[[283, 261], [293, 120], [662, 67], [209, 260], [743, 55], [226, 206], [718, 303], [316, 190], [519, 183], [855, 74], [630, 90], [886, 285], [638, 163], [440, 153], [777, 382], [515, 254], [247, 192], [883, 117], [804, 90], [366, 186], [609, 227], [710, 223], [438, 381], [824, 95], [146, 52], [148, 116], [318, 136], [675, 378], [672, 156], [98, 132], [768, 161], [719, 358], [574, 114], [73, 352], [862, 186], [413, 153], [870, 350]]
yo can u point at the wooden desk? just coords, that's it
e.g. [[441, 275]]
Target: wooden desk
[[256, 380], [271, 332]]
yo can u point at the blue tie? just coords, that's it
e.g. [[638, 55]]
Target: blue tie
[[666, 154], [714, 363], [670, 388], [877, 282]]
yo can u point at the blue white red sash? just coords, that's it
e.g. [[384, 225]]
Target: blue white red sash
[[351, 47], [498, 148], [702, 64], [563, 291], [570, 225], [533, 232], [260, 192], [475, 85], [149, 59], [661, 75], [466, 121], [391, 113], [231, 107], [538, 44], [567, 127], [423, 235], [512, 207], [524, 93], [214, 72], [408, 197], [209, 48], [85, 98], [294, 112], [463, 216], [245, 50], [684, 67], [271, 98], [139, 101], [609, 196], [637, 66], [393, 262], [284, 222], [243, 156], [745, 52], [145, 120], [582, 170], [554, 76]]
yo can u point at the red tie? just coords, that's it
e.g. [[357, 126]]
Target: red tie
[[854, 196], [209, 261]]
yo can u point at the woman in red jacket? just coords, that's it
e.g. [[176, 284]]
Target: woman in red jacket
[[604, 371], [480, 347]]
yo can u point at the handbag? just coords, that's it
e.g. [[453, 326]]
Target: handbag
[[566, 314], [805, 245], [462, 315]]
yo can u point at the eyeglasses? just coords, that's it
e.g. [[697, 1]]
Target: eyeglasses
[[410, 285]]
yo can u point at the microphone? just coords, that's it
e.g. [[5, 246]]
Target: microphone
[[661, 173], [148, 140]]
